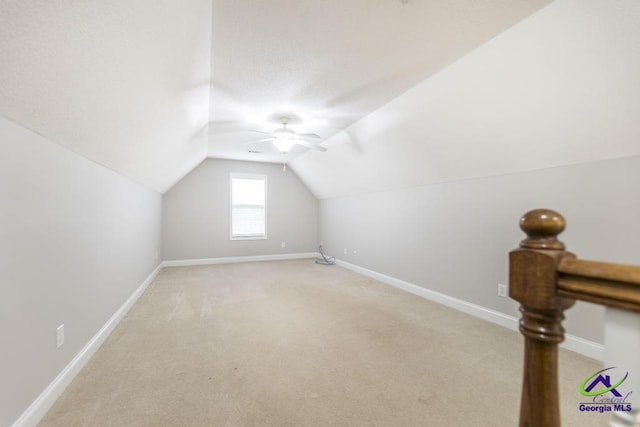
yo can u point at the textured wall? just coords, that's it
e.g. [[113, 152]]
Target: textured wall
[[76, 240], [454, 238], [196, 214]]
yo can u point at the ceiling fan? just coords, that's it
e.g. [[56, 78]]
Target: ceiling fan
[[284, 138]]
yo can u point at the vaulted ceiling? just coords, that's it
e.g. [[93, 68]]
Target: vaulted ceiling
[[330, 63], [150, 88]]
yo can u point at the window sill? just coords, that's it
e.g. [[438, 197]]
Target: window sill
[[248, 238]]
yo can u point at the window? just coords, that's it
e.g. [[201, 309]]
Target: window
[[248, 206]]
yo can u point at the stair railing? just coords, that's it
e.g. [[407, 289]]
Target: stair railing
[[547, 280]]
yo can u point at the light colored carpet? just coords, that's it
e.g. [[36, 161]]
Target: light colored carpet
[[293, 343]]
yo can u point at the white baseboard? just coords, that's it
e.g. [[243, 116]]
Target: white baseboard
[[229, 260], [572, 342], [37, 410]]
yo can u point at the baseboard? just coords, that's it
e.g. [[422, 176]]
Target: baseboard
[[229, 260], [572, 342], [37, 410]]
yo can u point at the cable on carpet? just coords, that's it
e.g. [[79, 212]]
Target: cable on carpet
[[326, 259]]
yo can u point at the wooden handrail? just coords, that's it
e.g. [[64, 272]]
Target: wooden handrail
[[613, 285], [546, 280]]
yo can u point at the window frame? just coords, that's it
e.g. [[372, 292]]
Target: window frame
[[261, 177]]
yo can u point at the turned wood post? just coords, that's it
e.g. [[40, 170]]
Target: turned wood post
[[532, 282]]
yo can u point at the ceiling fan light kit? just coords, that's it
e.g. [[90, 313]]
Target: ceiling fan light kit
[[284, 143], [284, 138]]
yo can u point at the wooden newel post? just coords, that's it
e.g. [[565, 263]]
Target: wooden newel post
[[532, 282]]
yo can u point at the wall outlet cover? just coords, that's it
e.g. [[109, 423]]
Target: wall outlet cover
[[60, 335], [502, 290]]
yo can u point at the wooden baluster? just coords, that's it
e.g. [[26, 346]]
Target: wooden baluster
[[532, 282]]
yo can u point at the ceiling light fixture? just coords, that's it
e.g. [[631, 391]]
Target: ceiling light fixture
[[284, 142], [285, 138]]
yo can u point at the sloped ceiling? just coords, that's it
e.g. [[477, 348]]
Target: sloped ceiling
[[133, 85], [332, 62], [559, 88], [123, 83]]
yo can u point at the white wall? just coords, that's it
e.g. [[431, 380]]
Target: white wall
[[76, 240], [454, 238], [196, 215], [429, 187]]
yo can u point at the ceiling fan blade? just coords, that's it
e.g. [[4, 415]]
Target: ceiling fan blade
[[307, 135], [260, 131], [255, 141], [310, 145]]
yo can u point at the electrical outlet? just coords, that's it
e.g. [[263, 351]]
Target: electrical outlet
[[502, 290], [284, 244], [345, 251], [355, 252], [60, 335]]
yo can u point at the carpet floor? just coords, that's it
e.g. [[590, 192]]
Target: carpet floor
[[293, 343]]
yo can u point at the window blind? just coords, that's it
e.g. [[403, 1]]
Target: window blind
[[248, 207]]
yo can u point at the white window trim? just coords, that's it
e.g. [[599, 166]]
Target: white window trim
[[247, 176]]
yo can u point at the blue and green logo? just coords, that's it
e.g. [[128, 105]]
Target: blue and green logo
[[604, 393], [605, 380]]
